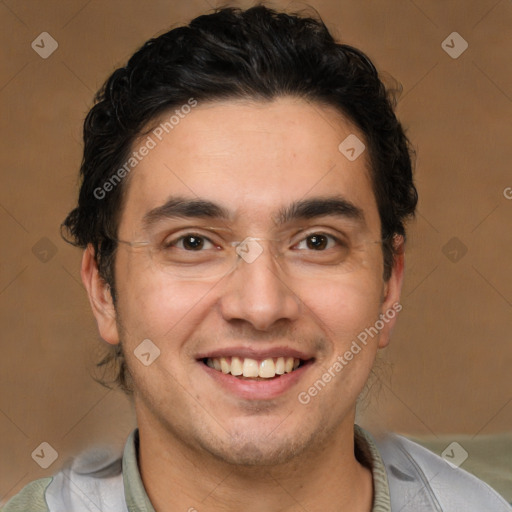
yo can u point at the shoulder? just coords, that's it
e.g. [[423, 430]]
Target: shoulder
[[31, 497], [92, 481], [417, 477]]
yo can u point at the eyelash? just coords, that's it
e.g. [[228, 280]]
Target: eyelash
[[172, 243], [327, 235], [167, 244]]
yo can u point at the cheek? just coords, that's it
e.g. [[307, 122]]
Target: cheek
[[158, 307], [343, 310], [345, 306]]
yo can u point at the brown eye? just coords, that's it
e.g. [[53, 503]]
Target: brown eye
[[317, 242], [190, 242], [193, 243]]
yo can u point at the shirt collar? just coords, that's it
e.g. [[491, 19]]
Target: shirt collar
[[367, 453], [136, 497]]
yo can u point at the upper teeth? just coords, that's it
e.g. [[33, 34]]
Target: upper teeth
[[266, 369]]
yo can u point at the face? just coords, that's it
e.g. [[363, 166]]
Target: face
[[286, 306]]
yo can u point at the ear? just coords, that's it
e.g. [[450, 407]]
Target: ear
[[100, 297], [391, 293]]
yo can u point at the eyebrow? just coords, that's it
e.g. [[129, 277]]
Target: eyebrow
[[182, 207], [320, 207]]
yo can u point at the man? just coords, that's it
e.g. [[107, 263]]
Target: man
[[245, 188]]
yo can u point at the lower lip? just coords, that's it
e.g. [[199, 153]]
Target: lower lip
[[257, 389]]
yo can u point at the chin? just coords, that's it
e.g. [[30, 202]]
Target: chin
[[259, 449], [257, 455]]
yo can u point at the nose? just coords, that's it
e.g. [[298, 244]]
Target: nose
[[258, 292]]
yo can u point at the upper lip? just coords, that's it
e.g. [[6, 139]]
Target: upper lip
[[252, 353]]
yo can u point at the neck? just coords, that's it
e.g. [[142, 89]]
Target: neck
[[323, 478]]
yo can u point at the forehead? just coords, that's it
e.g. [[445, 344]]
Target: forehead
[[252, 158]]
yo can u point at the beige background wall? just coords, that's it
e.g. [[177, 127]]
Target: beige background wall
[[449, 367]]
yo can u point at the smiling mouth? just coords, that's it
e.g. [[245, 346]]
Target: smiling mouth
[[253, 369]]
